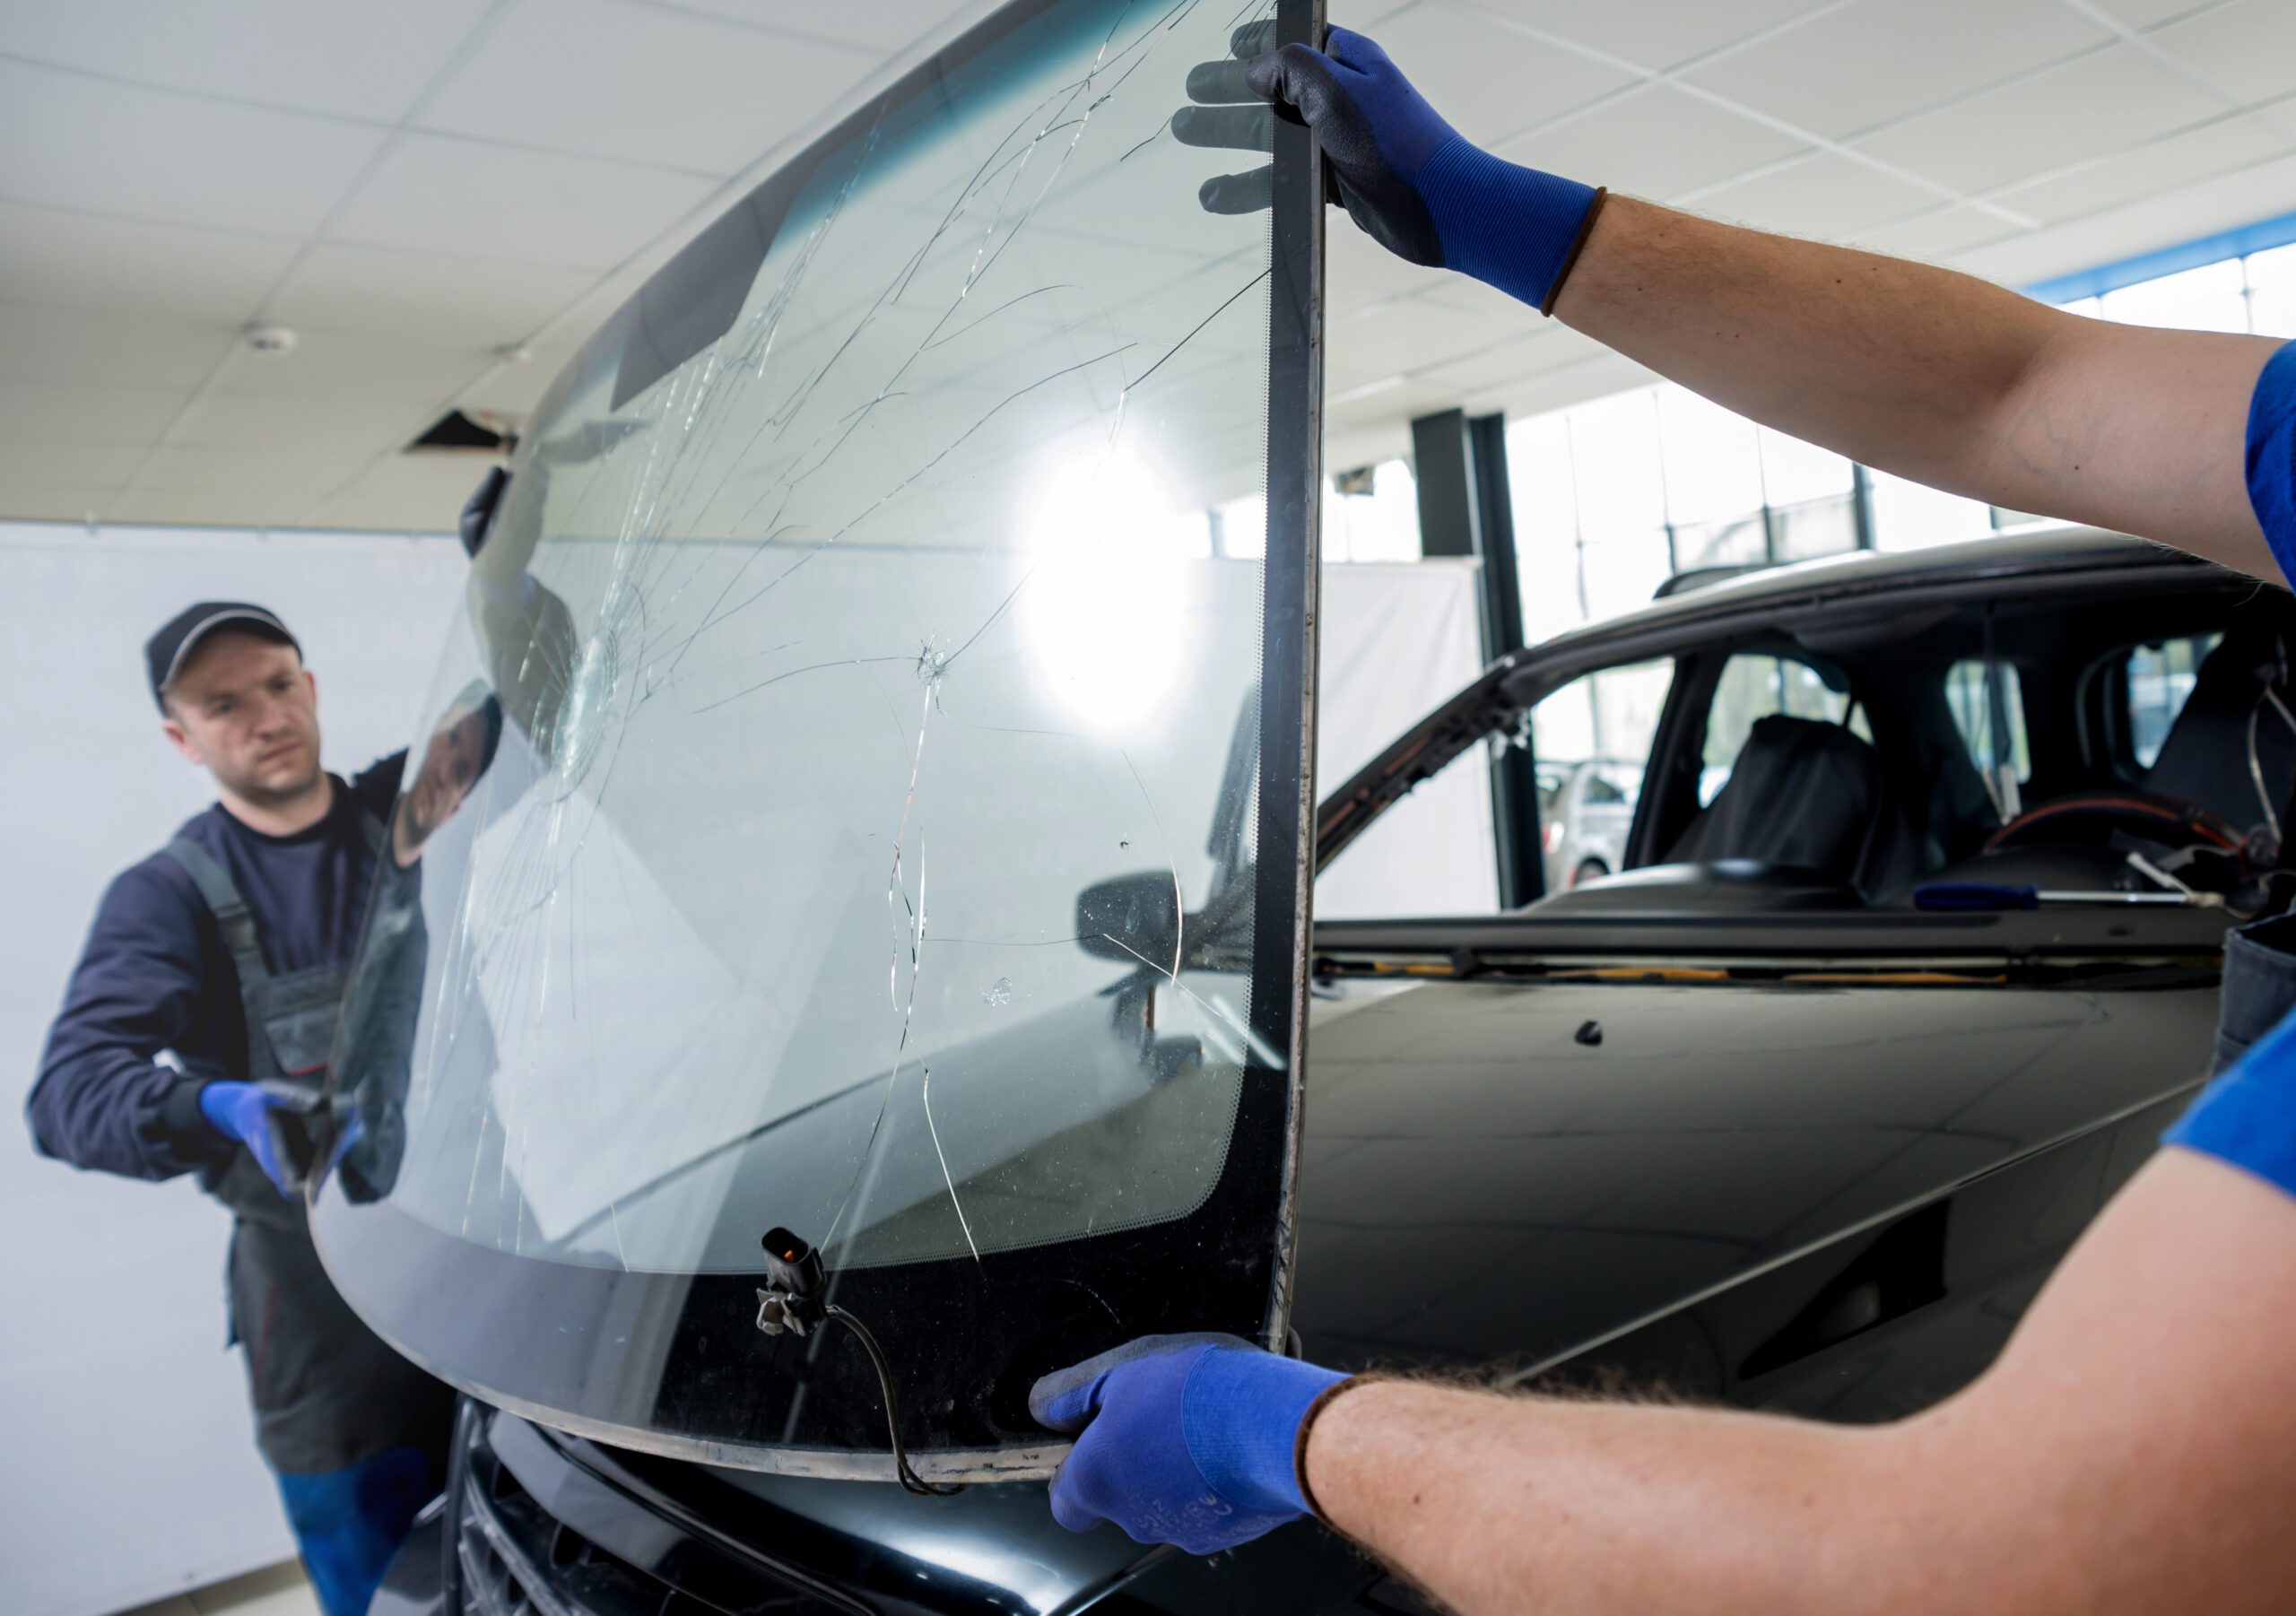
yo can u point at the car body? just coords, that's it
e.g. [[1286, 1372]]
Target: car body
[[1728, 1129], [876, 537]]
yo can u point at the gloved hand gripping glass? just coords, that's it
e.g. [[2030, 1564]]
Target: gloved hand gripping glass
[[278, 1122], [1411, 181]]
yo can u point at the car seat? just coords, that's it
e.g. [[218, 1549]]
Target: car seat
[[1810, 796], [2221, 779], [2206, 758]]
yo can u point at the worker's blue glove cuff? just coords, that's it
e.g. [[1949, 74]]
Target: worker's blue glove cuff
[[1184, 1439], [1241, 1418], [1513, 227]]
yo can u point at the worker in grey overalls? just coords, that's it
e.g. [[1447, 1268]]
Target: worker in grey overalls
[[197, 1031]]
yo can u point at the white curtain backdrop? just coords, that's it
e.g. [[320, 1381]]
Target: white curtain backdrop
[[130, 1470], [1397, 639]]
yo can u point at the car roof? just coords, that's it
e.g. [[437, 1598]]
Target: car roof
[[1860, 572]]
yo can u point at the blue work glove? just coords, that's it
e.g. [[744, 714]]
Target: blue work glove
[[260, 1117], [1410, 180], [1188, 1439]]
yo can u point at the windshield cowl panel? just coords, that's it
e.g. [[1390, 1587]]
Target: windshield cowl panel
[[864, 796]]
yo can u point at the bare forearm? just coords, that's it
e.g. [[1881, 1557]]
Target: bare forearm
[[1512, 1504], [2076, 1474], [1936, 375]]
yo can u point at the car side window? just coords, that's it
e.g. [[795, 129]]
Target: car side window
[[2000, 753], [1592, 738], [1755, 686], [2160, 680]]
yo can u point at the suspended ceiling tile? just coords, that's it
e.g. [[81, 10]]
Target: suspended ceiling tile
[[78, 261], [1344, 380], [2146, 13], [642, 84], [327, 365], [1652, 33], [178, 467], [2248, 48], [1936, 236], [1406, 400], [572, 325], [456, 302], [356, 61], [262, 422], [515, 390], [1656, 142], [1357, 269], [1490, 81], [1368, 16], [2182, 213], [243, 507], [72, 141], [55, 501], [1824, 196], [1500, 365], [433, 194], [2100, 103], [409, 493], [1508, 316], [2180, 160], [79, 348], [1595, 374], [53, 414], [1397, 337], [1866, 63], [881, 25], [67, 462]]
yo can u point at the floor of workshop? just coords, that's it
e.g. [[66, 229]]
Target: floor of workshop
[[274, 1591]]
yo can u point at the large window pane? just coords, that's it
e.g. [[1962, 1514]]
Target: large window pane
[[1713, 468], [1738, 541], [2160, 681], [1974, 690], [1794, 472], [1625, 572], [2272, 292], [1910, 516], [1620, 478], [882, 808], [1825, 526], [2207, 298], [1591, 740], [1379, 523], [1543, 489]]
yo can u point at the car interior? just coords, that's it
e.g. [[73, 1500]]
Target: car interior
[[2129, 746]]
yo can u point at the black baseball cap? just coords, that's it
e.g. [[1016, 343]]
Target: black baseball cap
[[166, 651]]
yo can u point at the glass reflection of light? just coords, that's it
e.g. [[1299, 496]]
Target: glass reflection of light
[[1105, 606]]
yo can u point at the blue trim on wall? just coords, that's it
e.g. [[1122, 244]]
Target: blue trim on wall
[[2168, 261]]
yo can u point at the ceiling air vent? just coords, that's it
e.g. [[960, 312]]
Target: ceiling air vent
[[456, 433]]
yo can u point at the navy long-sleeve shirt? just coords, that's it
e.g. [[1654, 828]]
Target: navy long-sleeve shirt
[[156, 975]]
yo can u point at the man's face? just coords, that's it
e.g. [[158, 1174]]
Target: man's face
[[247, 708], [451, 768]]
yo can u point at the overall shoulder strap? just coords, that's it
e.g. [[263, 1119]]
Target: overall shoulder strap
[[222, 898]]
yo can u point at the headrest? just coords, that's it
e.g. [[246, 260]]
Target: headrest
[[1801, 792]]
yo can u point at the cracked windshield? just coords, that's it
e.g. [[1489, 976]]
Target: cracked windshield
[[853, 698]]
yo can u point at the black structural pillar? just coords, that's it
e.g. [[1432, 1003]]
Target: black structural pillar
[[1465, 510]]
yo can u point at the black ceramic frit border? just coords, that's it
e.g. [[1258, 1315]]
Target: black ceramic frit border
[[1284, 852]]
